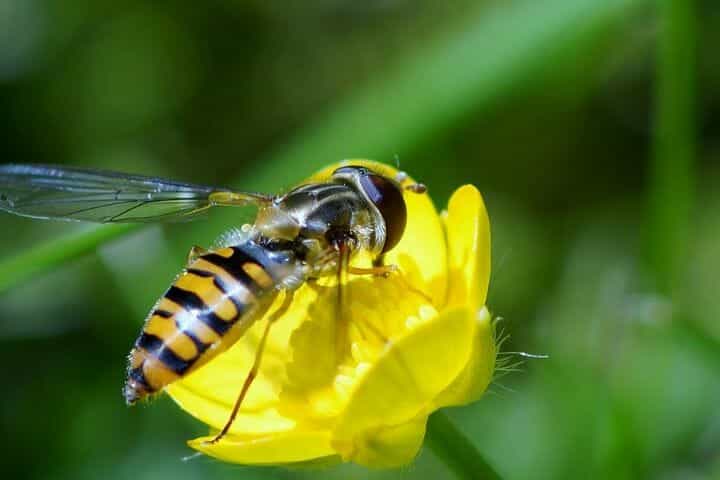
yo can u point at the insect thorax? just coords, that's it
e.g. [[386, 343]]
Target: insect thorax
[[310, 221]]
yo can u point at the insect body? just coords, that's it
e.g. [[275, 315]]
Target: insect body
[[312, 231], [211, 303]]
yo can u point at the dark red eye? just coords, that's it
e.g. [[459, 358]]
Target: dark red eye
[[388, 199]]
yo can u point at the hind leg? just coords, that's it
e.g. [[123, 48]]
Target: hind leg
[[254, 368]]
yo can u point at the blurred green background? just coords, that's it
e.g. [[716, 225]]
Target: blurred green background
[[591, 126]]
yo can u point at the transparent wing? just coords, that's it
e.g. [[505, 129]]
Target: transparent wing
[[66, 193]]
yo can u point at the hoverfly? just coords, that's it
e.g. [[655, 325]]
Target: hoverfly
[[314, 230]]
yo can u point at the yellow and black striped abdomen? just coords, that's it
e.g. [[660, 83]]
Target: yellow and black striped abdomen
[[208, 307]]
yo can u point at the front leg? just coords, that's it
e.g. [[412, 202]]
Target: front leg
[[195, 253], [378, 271]]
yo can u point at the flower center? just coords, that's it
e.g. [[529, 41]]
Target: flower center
[[334, 347]]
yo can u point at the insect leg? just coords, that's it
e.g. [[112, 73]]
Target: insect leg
[[416, 188], [255, 366], [379, 271], [401, 177], [341, 322], [195, 252]]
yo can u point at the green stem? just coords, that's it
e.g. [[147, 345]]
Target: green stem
[[456, 450], [671, 176]]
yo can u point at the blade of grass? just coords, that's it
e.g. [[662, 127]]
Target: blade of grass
[[493, 52], [43, 257], [671, 176]]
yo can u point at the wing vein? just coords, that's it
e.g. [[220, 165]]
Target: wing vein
[[66, 193]]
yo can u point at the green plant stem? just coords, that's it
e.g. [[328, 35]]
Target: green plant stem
[[457, 451], [672, 175], [422, 98]]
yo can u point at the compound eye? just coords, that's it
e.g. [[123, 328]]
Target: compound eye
[[388, 199]]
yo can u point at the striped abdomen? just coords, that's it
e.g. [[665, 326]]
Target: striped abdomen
[[208, 307]]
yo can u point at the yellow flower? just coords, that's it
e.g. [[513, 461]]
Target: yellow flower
[[419, 340]]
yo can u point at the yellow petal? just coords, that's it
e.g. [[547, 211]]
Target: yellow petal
[[402, 384], [389, 446], [478, 373], [283, 448], [468, 234], [421, 252]]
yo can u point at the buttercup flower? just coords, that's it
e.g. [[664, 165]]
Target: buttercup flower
[[417, 341]]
